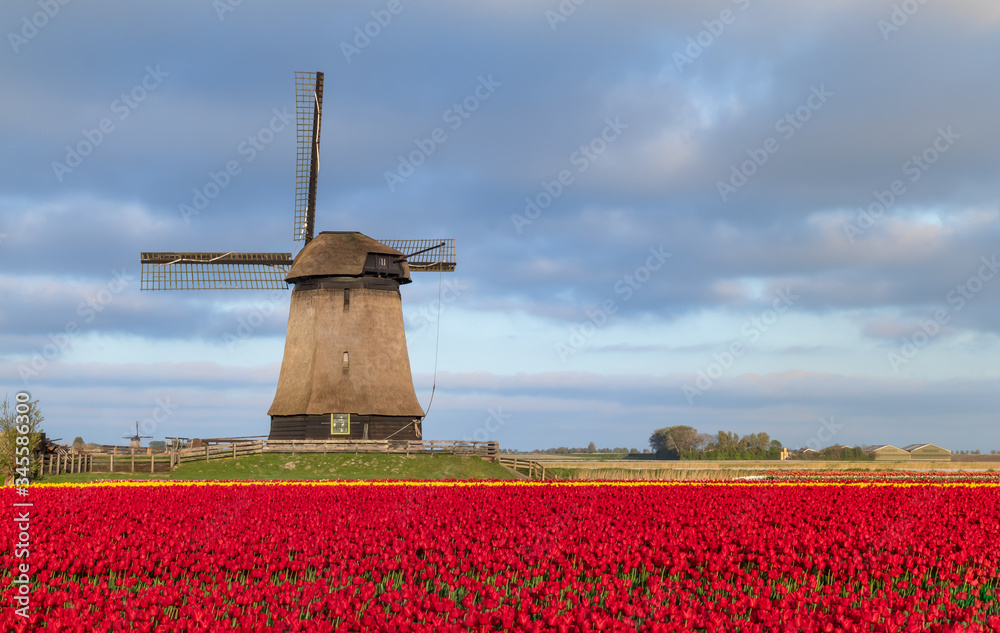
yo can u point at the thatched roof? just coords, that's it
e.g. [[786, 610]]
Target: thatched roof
[[339, 253]]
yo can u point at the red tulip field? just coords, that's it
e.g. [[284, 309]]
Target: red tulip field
[[805, 553]]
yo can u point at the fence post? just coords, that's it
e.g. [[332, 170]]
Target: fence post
[[132, 450], [152, 462], [207, 456], [234, 450], [111, 468], [543, 473]]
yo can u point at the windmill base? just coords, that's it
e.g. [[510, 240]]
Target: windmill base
[[361, 427]]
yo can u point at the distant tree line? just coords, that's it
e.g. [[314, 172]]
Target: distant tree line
[[685, 442], [835, 453], [563, 450]]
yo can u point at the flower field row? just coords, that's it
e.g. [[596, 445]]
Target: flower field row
[[449, 557]]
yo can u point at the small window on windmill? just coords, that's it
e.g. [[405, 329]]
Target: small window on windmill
[[340, 424], [347, 360]]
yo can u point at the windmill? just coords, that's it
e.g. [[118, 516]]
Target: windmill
[[135, 441], [345, 373]]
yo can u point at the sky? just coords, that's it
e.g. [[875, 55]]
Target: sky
[[749, 216]]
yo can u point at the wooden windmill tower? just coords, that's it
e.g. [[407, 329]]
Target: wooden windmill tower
[[345, 373]]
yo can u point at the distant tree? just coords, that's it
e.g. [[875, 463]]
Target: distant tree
[[673, 441], [591, 448], [78, 444], [703, 442], [633, 451], [12, 426]]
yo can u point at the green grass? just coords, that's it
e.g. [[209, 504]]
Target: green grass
[[312, 466]]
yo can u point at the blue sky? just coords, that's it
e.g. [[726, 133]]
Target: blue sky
[[749, 216]]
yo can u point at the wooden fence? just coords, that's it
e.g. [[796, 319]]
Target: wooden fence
[[144, 460], [533, 469], [62, 462]]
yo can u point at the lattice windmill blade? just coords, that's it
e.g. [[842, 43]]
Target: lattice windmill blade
[[137, 436], [309, 115], [214, 271], [426, 255]]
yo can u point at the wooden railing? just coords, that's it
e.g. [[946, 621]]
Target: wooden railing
[[141, 459], [532, 469], [218, 451], [135, 460]]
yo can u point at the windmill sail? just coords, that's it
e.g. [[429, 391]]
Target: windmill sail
[[428, 255], [308, 115], [214, 271], [266, 271]]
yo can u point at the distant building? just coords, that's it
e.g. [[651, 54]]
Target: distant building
[[928, 452], [888, 453]]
